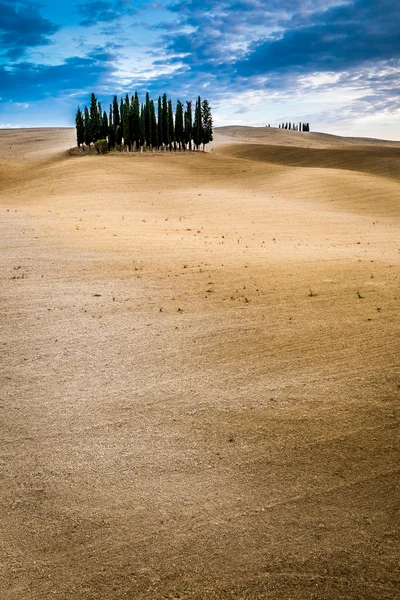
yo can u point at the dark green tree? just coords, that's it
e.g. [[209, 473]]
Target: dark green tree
[[142, 138], [147, 121], [94, 118], [206, 123], [153, 120], [135, 107], [111, 130], [171, 128], [115, 110], [80, 128], [188, 125], [104, 130], [88, 127], [110, 120], [179, 137], [165, 122], [118, 136], [100, 118], [121, 116], [159, 124], [126, 123], [197, 125]]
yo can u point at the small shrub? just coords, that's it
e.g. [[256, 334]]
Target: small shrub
[[101, 146]]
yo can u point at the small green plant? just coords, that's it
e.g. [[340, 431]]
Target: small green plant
[[101, 146]]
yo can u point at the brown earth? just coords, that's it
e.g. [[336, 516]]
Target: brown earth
[[200, 369]]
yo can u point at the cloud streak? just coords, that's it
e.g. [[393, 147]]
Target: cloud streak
[[22, 27], [340, 38], [98, 11]]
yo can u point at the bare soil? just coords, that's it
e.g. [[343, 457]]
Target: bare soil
[[200, 369]]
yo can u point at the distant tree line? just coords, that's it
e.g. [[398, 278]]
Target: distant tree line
[[295, 126], [133, 126]]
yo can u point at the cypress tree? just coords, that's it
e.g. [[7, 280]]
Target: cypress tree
[[125, 122], [179, 123], [111, 130], [147, 121], [115, 112], [94, 118], [100, 120], [136, 121], [142, 126], [165, 122], [100, 117], [118, 136], [131, 123], [88, 127], [121, 116], [188, 125], [171, 128], [206, 123], [80, 128], [197, 125], [111, 137], [153, 121], [160, 125], [104, 131]]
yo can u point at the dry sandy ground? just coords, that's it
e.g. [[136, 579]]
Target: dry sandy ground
[[200, 370]]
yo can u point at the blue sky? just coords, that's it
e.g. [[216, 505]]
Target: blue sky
[[334, 63]]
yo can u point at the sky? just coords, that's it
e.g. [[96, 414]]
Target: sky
[[332, 63]]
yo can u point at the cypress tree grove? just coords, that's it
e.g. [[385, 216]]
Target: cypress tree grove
[[80, 128], [134, 125]]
